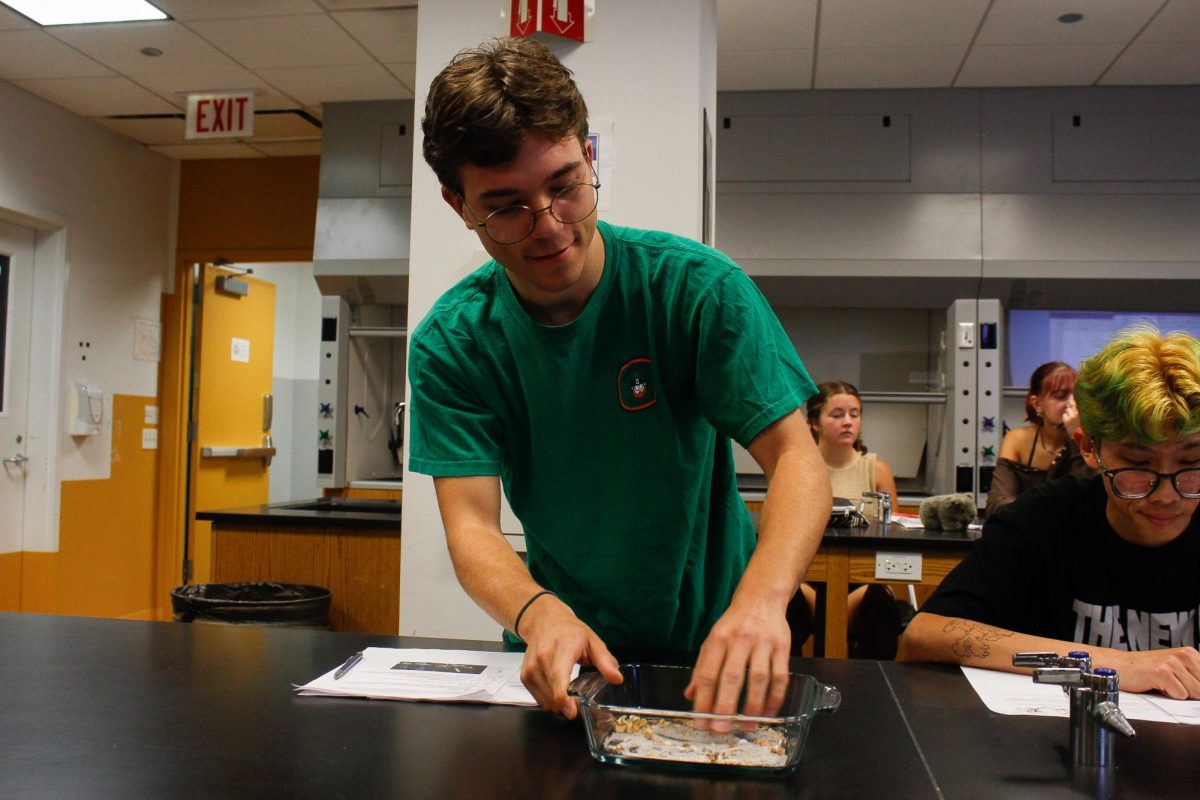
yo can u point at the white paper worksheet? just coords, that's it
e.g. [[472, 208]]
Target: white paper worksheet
[[1010, 693], [466, 676]]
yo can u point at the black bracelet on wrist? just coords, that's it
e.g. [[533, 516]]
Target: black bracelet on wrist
[[524, 608]]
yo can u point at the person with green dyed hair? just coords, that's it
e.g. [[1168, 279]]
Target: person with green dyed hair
[[1141, 385], [1110, 564]]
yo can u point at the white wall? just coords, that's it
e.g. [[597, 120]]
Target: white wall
[[651, 70], [104, 209], [877, 350]]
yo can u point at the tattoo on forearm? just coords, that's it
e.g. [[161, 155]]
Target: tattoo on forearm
[[973, 639]]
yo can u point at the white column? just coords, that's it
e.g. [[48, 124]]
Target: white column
[[651, 71]]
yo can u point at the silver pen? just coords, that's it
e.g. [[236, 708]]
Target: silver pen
[[348, 665]]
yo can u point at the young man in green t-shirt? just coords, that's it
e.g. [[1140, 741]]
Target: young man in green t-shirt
[[598, 374]]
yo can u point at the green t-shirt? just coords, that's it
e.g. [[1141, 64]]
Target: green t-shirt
[[611, 434]]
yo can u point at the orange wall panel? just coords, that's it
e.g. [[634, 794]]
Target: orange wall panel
[[39, 581], [105, 559], [248, 205], [10, 581]]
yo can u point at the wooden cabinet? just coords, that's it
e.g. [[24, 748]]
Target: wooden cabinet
[[360, 565]]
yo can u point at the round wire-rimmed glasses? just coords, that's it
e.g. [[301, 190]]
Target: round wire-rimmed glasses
[[515, 223], [1134, 483]]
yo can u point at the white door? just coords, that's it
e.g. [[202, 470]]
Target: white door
[[16, 309]]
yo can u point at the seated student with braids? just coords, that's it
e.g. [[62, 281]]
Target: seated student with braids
[[1109, 564]]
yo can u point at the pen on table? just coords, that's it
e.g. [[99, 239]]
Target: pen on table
[[348, 665]]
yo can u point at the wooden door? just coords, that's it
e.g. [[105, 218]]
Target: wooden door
[[233, 362]]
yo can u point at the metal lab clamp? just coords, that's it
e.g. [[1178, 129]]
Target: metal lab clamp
[[1093, 695]]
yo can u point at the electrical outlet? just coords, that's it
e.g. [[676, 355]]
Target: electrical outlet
[[898, 566]]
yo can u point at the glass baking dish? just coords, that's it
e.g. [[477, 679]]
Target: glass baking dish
[[647, 720]]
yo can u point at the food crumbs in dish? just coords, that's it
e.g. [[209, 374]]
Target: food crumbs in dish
[[633, 736]]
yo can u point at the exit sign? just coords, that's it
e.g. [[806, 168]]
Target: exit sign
[[570, 19], [218, 115]]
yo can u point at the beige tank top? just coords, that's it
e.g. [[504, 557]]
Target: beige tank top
[[851, 481]]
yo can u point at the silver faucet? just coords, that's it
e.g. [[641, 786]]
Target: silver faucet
[[883, 508], [1093, 696]]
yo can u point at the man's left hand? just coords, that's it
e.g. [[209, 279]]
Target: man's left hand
[[750, 644]]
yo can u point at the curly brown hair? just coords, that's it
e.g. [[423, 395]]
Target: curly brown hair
[[488, 98]]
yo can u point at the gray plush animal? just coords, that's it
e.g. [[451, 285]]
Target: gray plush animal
[[948, 512]]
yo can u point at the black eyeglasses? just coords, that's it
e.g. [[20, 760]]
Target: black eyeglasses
[[569, 205], [1134, 483]]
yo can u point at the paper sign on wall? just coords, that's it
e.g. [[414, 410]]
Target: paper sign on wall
[[219, 115], [240, 350], [147, 340]]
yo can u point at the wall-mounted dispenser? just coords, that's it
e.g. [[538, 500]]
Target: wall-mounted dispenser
[[86, 409]]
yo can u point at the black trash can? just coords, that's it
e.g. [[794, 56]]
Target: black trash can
[[291, 605]]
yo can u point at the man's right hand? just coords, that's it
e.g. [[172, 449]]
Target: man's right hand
[[1174, 672], [556, 640]]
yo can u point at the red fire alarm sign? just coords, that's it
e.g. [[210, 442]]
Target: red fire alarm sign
[[570, 19]]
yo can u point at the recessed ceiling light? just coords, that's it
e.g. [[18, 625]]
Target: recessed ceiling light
[[1072, 17], [151, 52], [76, 12]]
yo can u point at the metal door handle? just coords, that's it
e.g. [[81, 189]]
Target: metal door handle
[[265, 451], [19, 458], [236, 452]]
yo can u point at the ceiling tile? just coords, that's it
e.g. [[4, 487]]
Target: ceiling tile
[[119, 47], [753, 70], [390, 36], [301, 53], [339, 5], [1155, 63], [34, 54], [887, 67], [12, 21], [1013, 22], [188, 10], [175, 88], [312, 40], [281, 149], [848, 24], [766, 24], [98, 97], [278, 128], [406, 73], [312, 85], [147, 131], [1037, 65], [197, 151], [1179, 21]]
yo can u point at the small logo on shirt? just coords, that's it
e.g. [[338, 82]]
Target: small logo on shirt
[[635, 385]]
